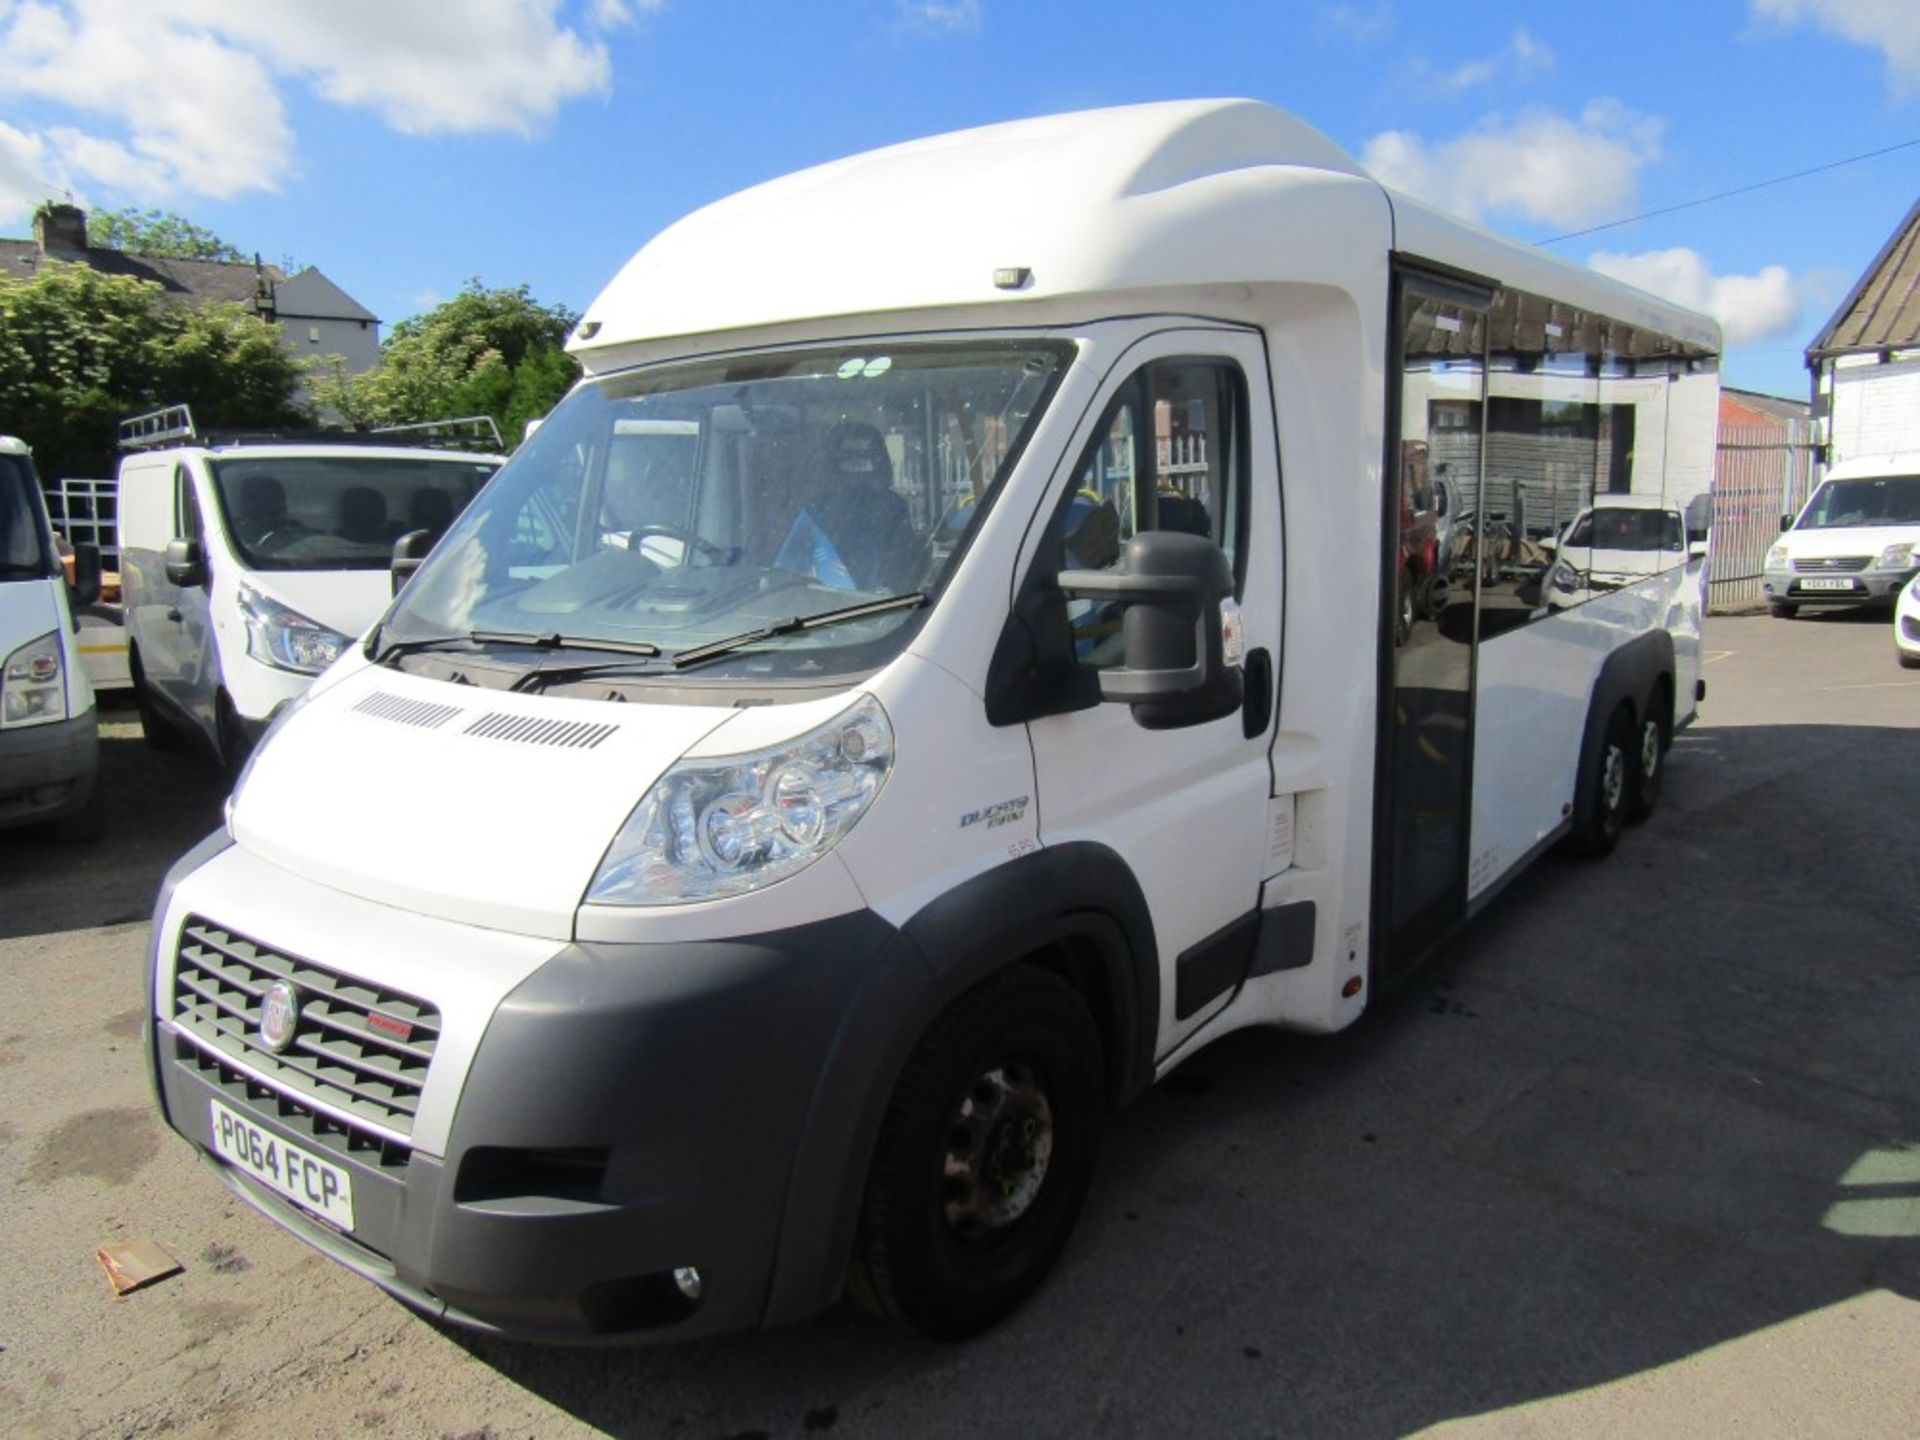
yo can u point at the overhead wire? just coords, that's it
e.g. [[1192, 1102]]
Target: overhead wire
[[1727, 194]]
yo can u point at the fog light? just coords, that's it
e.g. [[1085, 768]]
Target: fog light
[[686, 1279]]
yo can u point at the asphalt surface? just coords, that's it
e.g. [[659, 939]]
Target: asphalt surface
[[1639, 1155]]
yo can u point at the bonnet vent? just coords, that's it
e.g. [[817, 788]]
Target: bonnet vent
[[402, 711], [532, 730]]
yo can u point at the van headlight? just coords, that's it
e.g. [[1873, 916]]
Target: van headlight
[[1895, 557], [716, 827], [33, 691], [1777, 558], [286, 639]]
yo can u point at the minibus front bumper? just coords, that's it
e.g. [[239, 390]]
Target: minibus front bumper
[[634, 1117], [48, 771]]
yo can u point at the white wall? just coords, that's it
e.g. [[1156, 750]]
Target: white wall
[[1875, 409]]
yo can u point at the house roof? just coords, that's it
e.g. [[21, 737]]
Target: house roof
[[1882, 311], [200, 280], [1754, 402], [310, 295]]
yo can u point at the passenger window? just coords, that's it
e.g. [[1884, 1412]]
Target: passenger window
[[1167, 456], [186, 506]]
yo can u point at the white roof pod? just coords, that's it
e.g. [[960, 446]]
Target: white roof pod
[[1134, 199]]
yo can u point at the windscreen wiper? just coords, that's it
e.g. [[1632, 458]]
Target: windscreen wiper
[[912, 600], [475, 639]]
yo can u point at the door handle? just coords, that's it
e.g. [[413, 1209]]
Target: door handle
[[174, 615], [1257, 711]]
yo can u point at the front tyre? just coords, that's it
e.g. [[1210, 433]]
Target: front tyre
[[1613, 783], [1782, 610], [1650, 759], [983, 1159]]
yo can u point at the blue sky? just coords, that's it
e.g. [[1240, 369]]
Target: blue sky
[[404, 146]]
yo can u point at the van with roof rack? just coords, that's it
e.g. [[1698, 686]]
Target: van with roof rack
[[907, 699], [248, 562], [49, 730]]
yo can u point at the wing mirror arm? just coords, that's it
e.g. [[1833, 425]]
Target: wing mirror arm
[[408, 551]]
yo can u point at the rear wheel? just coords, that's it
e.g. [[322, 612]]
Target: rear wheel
[[983, 1159], [231, 736], [1612, 782], [154, 726], [1650, 758], [1782, 610]]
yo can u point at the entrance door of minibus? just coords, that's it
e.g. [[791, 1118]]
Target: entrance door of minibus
[[1436, 433]]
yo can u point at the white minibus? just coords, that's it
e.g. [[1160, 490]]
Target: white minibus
[[49, 730], [942, 666]]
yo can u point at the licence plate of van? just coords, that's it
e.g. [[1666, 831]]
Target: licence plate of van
[[1827, 582], [284, 1167]]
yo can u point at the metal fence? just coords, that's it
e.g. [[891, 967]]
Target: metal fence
[[1761, 473]]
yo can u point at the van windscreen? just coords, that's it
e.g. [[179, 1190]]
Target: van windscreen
[[680, 505], [338, 512], [26, 550]]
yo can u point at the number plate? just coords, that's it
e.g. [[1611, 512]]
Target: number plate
[[1827, 582], [288, 1169]]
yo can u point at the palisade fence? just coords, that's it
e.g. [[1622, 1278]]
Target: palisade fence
[[1761, 473]]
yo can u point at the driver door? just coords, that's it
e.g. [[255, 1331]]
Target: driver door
[[1181, 439]]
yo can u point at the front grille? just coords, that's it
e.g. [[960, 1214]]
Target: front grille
[[323, 1131], [1833, 565], [361, 1050]]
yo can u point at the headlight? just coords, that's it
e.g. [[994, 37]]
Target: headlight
[[32, 689], [711, 828], [286, 639], [1777, 558], [1895, 557]]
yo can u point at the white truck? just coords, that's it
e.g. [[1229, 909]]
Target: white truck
[[938, 670], [49, 731], [247, 563]]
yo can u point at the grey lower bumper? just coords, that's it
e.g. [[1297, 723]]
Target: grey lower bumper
[[48, 771], [1873, 587], [631, 1110]]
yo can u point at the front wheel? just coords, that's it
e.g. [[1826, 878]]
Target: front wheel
[[1612, 782], [154, 728], [983, 1159], [1650, 760], [1781, 610]]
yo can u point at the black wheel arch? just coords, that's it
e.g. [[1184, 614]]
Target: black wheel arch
[[1630, 675], [1075, 909]]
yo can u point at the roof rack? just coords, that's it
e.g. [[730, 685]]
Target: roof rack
[[465, 431], [168, 425], [173, 425]]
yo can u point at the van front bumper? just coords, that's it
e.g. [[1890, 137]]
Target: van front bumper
[[48, 771], [1863, 587], [631, 1111]]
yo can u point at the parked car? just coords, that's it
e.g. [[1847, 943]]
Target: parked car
[[49, 731], [247, 565], [1906, 625], [1857, 541], [1621, 539]]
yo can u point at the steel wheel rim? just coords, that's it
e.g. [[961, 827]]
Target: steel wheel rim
[[1650, 748], [999, 1146], [1613, 780]]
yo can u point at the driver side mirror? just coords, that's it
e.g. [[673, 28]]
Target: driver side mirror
[[1173, 587], [408, 551], [1696, 549], [186, 564], [1786, 523], [85, 586]]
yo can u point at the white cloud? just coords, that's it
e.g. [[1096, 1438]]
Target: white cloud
[[25, 178], [1520, 57], [185, 96], [1748, 307], [941, 17], [1539, 165], [1890, 26], [1362, 24]]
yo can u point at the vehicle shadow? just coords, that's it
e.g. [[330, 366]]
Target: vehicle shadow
[[158, 804], [1623, 1118]]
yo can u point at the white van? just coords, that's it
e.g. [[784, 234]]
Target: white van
[[925, 682], [1856, 541], [1619, 541], [248, 564], [49, 730]]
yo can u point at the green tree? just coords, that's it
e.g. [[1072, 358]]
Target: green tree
[[485, 352], [158, 232], [79, 350]]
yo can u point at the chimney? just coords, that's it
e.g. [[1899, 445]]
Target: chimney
[[60, 229]]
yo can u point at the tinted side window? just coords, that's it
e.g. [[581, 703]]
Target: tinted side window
[[186, 506]]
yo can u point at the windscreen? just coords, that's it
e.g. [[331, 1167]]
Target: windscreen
[[1623, 528], [679, 506], [339, 512], [26, 551], [1882, 500]]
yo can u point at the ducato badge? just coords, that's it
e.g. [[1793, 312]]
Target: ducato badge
[[279, 1015]]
